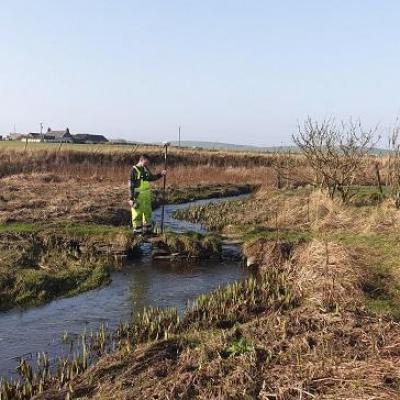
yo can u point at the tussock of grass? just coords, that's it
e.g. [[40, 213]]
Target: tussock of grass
[[190, 244], [33, 286]]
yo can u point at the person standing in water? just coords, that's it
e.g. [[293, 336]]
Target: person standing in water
[[140, 195]]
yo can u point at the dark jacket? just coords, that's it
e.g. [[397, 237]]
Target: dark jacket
[[135, 178]]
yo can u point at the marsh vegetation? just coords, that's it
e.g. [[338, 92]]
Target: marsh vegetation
[[318, 319]]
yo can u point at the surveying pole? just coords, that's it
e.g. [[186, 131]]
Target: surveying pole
[[165, 144]]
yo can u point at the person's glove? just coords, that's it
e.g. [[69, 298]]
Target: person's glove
[[134, 203]]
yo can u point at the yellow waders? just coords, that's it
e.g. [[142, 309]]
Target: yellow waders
[[141, 215]]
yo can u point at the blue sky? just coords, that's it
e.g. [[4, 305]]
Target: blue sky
[[229, 71]]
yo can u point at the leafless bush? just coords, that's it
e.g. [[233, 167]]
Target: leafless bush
[[394, 163], [284, 165], [336, 152]]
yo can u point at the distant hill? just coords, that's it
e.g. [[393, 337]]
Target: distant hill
[[233, 147]]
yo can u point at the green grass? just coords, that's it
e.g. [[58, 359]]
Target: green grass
[[33, 286], [92, 229], [238, 347], [368, 195], [68, 228], [289, 236], [359, 195], [20, 145], [17, 227], [380, 282]]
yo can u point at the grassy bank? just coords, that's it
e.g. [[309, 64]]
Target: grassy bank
[[366, 227], [39, 263], [188, 245]]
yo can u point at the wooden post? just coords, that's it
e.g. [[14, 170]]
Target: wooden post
[[378, 177]]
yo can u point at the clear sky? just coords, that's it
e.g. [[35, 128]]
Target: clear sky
[[226, 70]]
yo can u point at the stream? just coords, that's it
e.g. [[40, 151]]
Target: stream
[[142, 282]]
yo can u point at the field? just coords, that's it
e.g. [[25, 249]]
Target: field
[[318, 319]]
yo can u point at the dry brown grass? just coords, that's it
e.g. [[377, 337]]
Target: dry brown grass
[[312, 210], [326, 274], [113, 161], [47, 197]]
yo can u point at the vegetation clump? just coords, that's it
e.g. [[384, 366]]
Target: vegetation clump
[[189, 245]]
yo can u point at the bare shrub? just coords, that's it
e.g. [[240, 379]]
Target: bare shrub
[[335, 152]]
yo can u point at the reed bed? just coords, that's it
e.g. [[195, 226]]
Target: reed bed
[[92, 159]]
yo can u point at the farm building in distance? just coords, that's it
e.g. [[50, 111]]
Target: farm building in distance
[[89, 139], [60, 136]]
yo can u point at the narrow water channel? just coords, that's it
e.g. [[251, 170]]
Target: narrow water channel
[[141, 283]]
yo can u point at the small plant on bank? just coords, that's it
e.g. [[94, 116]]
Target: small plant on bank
[[238, 347]]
